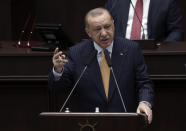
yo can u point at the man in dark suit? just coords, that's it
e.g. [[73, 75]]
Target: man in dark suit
[[161, 19], [96, 89]]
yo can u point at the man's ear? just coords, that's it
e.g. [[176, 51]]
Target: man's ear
[[87, 31]]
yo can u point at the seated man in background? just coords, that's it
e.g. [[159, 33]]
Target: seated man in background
[[97, 86], [147, 19]]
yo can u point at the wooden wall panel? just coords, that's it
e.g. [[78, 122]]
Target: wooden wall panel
[[24, 93], [21, 102], [5, 19], [69, 13]]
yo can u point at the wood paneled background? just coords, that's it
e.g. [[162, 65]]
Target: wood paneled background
[[23, 98], [69, 13]]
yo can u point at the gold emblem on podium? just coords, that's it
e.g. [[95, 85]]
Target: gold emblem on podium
[[87, 126]]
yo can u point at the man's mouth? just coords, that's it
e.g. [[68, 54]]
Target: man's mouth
[[105, 40]]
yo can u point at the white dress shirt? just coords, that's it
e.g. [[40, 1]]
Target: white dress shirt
[[146, 4], [99, 49]]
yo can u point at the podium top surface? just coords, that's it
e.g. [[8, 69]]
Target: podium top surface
[[90, 114]]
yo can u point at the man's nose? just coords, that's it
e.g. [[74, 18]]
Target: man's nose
[[103, 32]]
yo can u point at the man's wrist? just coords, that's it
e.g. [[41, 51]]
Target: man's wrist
[[57, 74], [147, 103], [58, 70]]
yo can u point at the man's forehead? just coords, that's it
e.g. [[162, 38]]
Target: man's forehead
[[99, 19]]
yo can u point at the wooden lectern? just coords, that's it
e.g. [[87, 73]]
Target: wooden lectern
[[53, 121]]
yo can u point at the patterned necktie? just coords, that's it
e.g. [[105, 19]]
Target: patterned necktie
[[136, 25], [105, 73]]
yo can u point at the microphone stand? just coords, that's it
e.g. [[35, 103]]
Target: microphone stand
[[31, 32], [85, 68], [73, 88], [123, 104], [26, 33], [23, 31]]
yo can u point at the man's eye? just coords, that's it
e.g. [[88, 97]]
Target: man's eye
[[107, 26], [97, 29]]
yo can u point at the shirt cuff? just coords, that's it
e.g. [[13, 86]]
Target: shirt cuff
[[56, 74]]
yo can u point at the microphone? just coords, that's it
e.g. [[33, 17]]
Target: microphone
[[107, 57], [92, 56], [135, 12], [23, 30]]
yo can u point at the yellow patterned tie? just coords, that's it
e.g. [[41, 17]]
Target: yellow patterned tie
[[105, 72]]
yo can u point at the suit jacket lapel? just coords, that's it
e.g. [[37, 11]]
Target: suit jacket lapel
[[118, 54]]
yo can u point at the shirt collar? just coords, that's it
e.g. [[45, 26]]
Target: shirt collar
[[99, 49]]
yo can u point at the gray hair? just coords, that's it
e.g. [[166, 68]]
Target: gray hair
[[94, 13]]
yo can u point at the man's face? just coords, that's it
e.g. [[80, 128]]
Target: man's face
[[101, 29]]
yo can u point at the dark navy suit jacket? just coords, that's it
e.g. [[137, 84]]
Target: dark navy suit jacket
[[130, 71], [164, 19]]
